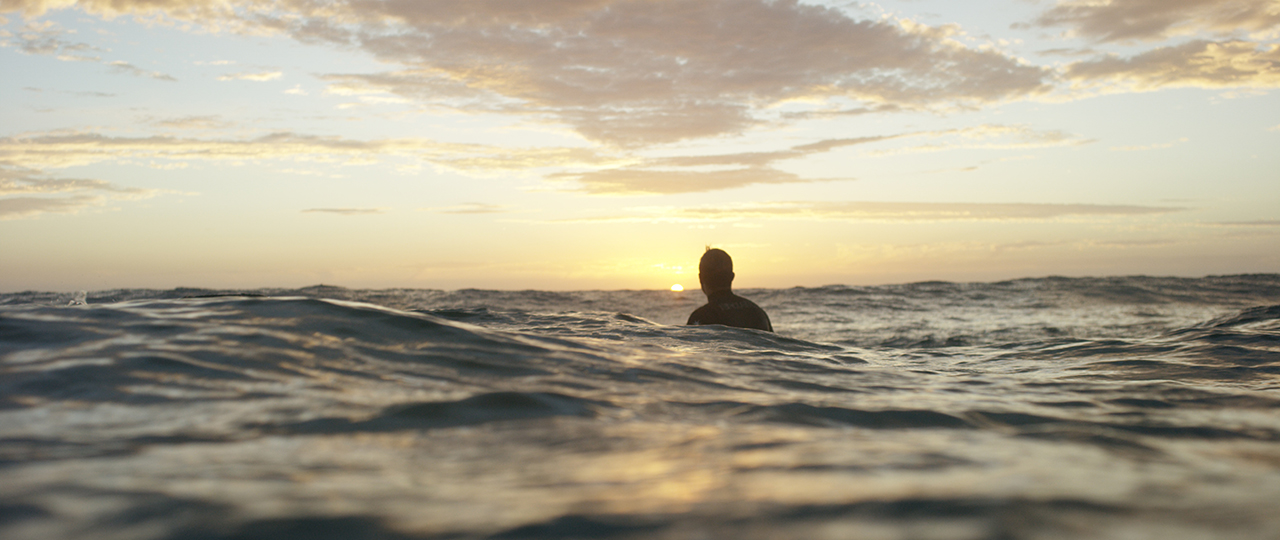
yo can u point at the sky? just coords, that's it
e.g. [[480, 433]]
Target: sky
[[603, 144]]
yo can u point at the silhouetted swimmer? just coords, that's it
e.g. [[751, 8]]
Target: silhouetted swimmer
[[715, 271]]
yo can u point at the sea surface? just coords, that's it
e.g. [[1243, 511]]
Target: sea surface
[[1099, 408]]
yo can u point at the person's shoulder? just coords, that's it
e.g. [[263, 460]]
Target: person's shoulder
[[763, 316], [700, 315], [746, 301]]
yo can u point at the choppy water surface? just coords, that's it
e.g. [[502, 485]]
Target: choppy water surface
[[1041, 408]]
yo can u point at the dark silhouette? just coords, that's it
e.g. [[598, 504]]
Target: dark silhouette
[[715, 271]]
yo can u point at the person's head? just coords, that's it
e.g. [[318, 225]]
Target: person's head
[[715, 271]]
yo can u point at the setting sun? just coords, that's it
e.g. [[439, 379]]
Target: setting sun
[[677, 287]]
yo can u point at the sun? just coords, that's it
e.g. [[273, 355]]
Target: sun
[[677, 287]]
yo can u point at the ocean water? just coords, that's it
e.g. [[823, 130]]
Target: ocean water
[[1127, 408]]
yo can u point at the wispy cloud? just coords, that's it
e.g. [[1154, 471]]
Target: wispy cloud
[[682, 174], [984, 137], [642, 182], [1200, 63], [82, 93], [879, 211], [46, 38], [17, 180], [55, 150], [345, 211], [260, 76], [688, 174], [1157, 146], [470, 208], [1121, 20], [25, 207], [588, 170], [192, 122], [57, 195], [1254, 223], [120, 66]]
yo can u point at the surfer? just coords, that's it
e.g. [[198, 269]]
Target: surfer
[[715, 271]]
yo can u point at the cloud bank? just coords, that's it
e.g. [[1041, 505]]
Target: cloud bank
[[881, 211], [632, 74], [623, 72], [586, 170]]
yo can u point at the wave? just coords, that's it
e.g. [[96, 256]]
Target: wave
[[430, 414]]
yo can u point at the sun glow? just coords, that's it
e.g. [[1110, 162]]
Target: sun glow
[[677, 287]]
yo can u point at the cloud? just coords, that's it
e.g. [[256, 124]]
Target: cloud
[[55, 150], [688, 174], [17, 180], [258, 77], [881, 211], [1124, 20], [1148, 146], [345, 211], [120, 66], [673, 174], [72, 194], [645, 182], [193, 122], [70, 93], [12, 186], [1254, 223], [629, 73], [1204, 64], [984, 137], [471, 208], [216, 15], [635, 72], [588, 170], [22, 207], [45, 38], [608, 173]]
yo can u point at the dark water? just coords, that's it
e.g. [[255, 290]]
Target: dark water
[[1130, 407]]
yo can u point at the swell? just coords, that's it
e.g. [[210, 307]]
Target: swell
[[314, 366]]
